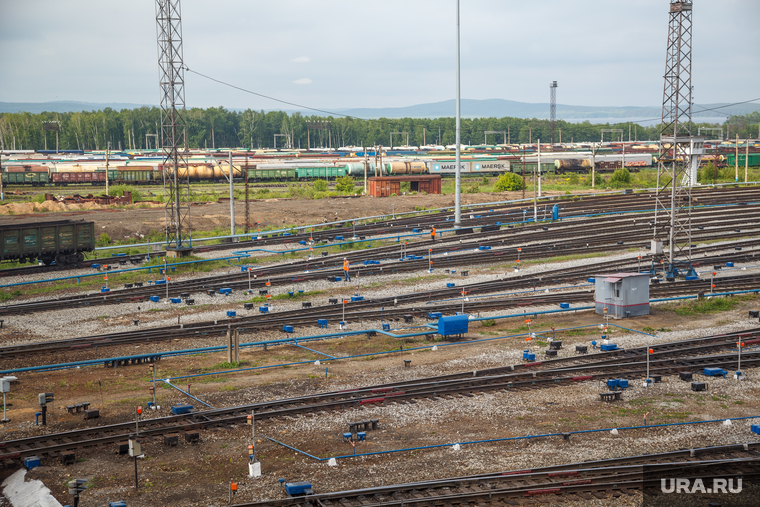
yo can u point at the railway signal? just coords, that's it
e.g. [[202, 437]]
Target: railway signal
[[649, 351], [77, 486], [233, 490], [153, 387], [712, 285], [738, 375]]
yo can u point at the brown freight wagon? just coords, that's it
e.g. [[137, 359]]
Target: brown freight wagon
[[385, 186], [79, 178]]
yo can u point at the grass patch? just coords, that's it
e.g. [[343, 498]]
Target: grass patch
[[488, 323], [705, 306]]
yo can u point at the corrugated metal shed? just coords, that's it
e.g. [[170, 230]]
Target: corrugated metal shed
[[386, 185], [623, 294]]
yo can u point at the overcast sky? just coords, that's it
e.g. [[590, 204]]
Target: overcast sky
[[362, 53]]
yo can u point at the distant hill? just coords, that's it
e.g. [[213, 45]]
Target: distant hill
[[499, 108], [63, 106], [471, 108]]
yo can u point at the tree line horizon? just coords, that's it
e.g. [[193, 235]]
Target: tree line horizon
[[217, 127]]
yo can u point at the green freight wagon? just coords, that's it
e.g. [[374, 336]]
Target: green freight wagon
[[321, 172], [133, 175], [37, 176], [62, 241], [754, 159], [271, 174]]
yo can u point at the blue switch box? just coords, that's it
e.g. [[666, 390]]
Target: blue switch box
[[181, 409], [608, 347], [455, 324]]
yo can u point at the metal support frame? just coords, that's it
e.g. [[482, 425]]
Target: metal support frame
[[553, 107], [287, 139], [173, 126], [709, 129], [486, 132], [316, 125], [400, 133], [680, 152], [620, 131]]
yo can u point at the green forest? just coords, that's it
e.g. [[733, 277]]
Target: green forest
[[217, 127]]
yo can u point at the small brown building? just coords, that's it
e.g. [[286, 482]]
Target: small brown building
[[384, 186]]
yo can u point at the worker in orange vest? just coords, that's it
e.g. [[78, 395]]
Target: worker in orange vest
[[345, 268], [432, 234]]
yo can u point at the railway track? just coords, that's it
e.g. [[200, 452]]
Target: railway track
[[582, 481], [367, 310], [310, 269], [481, 216], [671, 358]]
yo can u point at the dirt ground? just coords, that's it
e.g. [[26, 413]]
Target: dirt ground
[[130, 223]]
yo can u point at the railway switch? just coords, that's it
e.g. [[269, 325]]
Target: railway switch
[[581, 349], [248, 306], [755, 428], [120, 503], [715, 372], [699, 386], [685, 375]]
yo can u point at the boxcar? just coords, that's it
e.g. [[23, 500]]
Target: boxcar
[[62, 241]]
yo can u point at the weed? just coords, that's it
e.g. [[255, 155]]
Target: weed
[[488, 323]]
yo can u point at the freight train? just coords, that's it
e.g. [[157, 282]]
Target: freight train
[[294, 170]]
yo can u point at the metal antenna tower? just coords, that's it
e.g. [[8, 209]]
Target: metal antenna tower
[[173, 127], [679, 150], [553, 107]]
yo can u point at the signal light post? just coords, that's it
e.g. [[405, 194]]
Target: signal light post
[[738, 375]]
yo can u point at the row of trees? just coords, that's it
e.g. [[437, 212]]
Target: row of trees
[[217, 127]]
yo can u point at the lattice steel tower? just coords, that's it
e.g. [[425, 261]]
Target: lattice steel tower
[[173, 127], [679, 150], [553, 107]]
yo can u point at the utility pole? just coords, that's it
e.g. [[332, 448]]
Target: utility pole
[[108, 145], [553, 107], [365, 171], [736, 160], [680, 150], [535, 187], [593, 165], [746, 161], [538, 167], [173, 127], [232, 199], [458, 184]]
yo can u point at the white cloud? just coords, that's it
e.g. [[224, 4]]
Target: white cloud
[[303, 80], [301, 59]]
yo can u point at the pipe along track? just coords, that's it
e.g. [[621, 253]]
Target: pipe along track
[[583, 481], [366, 310], [602, 365]]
